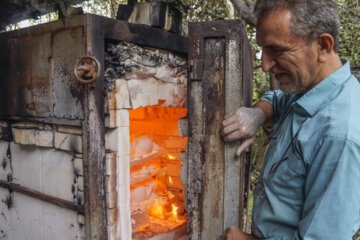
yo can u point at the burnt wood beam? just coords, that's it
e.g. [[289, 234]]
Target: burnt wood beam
[[93, 129], [145, 35], [220, 81], [42, 196]]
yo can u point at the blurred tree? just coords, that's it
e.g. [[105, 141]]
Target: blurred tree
[[349, 11]]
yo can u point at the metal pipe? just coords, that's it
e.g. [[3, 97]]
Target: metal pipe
[[42, 196]]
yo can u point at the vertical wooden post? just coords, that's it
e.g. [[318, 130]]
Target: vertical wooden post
[[220, 81], [94, 137]]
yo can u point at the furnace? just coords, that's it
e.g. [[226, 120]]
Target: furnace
[[110, 130]]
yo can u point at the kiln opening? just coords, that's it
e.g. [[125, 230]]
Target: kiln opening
[[156, 189]]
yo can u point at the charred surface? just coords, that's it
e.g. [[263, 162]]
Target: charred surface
[[220, 79]]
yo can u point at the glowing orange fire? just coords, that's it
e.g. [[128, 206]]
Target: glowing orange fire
[[165, 210], [157, 171], [170, 180]]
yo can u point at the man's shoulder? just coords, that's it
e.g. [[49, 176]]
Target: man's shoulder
[[343, 113]]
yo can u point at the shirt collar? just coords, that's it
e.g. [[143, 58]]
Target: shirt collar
[[320, 94]]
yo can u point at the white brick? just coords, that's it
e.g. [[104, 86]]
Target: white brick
[[122, 94], [112, 199], [68, 142], [112, 216], [124, 172], [78, 155], [183, 157], [48, 127], [24, 136], [183, 127], [180, 96], [44, 138], [80, 183], [78, 166], [81, 219], [111, 163], [113, 233], [119, 96], [28, 125], [69, 129], [143, 92], [111, 183], [118, 140], [117, 118]]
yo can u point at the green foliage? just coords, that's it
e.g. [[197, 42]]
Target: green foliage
[[106, 8], [349, 11], [206, 10], [261, 83]]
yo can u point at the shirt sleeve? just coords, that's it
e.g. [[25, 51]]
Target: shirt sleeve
[[332, 192], [279, 101]]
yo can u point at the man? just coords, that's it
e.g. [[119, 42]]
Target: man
[[310, 180]]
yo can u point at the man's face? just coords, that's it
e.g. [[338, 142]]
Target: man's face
[[289, 58]]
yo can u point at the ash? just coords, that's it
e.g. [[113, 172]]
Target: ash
[[130, 61]]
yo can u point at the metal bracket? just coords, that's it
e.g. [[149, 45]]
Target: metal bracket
[[87, 69]]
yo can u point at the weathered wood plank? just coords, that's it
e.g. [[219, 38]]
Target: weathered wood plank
[[94, 138], [195, 160], [214, 103], [233, 95], [220, 73]]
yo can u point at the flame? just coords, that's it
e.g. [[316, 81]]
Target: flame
[[157, 210], [170, 180], [174, 210], [170, 195], [171, 157]]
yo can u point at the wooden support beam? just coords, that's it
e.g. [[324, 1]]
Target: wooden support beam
[[93, 129]]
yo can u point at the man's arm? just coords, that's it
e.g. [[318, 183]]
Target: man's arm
[[267, 109], [234, 233], [244, 122]]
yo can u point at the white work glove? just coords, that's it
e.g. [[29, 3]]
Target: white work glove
[[242, 124]]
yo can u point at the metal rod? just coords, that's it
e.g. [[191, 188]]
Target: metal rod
[[42, 196]]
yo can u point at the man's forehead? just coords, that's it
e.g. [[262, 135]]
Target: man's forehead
[[274, 25], [280, 19]]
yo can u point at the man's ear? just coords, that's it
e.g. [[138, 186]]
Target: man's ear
[[325, 46]]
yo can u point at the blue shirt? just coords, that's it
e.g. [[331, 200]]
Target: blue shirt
[[310, 181]]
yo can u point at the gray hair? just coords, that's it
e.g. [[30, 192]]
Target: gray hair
[[310, 17]]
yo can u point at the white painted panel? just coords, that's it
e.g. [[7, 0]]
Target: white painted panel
[[45, 170], [32, 219]]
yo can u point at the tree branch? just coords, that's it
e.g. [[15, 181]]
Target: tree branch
[[245, 9]]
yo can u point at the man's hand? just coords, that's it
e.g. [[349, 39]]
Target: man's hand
[[234, 233], [242, 124]]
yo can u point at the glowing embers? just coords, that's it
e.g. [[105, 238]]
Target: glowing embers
[[157, 195]]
